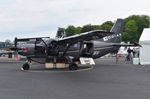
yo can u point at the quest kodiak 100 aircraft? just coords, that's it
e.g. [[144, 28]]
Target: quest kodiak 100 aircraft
[[81, 48]]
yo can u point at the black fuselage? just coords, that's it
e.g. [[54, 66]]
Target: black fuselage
[[95, 48]]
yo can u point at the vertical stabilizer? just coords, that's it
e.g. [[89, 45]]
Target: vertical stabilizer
[[118, 26], [117, 29]]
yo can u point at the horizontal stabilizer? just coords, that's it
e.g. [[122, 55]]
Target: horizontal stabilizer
[[119, 45]]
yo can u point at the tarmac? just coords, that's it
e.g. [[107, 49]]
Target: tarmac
[[106, 80]]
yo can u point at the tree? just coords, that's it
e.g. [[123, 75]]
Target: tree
[[70, 30], [131, 31], [61, 29], [87, 28], [106, 25], [78, 30], [142, 21]]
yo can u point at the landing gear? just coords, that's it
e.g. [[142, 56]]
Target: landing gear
[[25, 66], [73, 66]]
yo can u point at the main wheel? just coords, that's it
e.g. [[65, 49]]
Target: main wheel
[[73, 66], [25, 66]]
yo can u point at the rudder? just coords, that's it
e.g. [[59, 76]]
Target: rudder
[[117, 29]]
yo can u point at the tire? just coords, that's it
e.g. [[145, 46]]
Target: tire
[[26, 66], [73, 66]]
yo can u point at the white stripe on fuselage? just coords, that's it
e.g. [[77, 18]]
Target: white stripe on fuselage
[[106, 38]]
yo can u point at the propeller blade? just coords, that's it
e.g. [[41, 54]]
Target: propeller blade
[[15, 48], [16, 42]]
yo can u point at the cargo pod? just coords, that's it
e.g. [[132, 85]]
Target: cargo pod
[[55, 63], [145, 49]]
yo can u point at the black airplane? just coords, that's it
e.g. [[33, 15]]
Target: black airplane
[[81, 48]]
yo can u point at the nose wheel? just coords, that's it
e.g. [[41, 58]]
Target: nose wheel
[[73, 66], [25, 66]]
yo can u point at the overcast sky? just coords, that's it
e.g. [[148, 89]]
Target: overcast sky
[[34, 18]]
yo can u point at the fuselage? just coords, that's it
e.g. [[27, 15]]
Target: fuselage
[[94, 49], [56, 48]]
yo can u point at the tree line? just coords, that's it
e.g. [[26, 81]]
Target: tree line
[[133, 27]]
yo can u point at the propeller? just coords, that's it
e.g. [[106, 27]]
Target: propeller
[[15, 48], [15, 42]]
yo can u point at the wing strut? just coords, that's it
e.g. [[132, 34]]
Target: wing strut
[[68, 46]]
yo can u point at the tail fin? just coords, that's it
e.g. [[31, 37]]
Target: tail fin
[[118, 26], [117, 29]]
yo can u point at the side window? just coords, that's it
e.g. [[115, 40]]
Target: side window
[[84, 46], [74, 47]]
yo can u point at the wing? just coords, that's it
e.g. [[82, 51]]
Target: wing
[[30, 39], [87, 36]]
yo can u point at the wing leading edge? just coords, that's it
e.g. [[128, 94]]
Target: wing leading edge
[[87, 36]]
